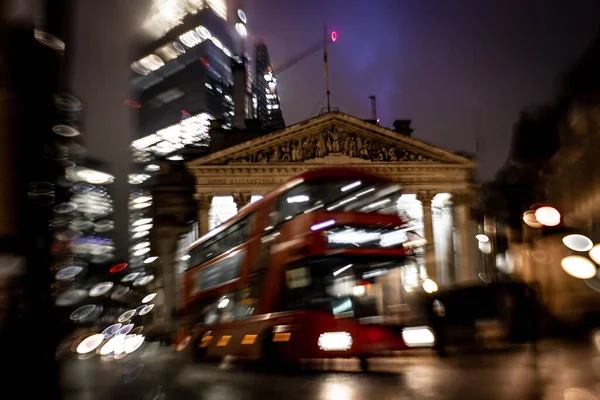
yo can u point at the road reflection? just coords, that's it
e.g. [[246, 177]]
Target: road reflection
[[331, 389], [155, 373]]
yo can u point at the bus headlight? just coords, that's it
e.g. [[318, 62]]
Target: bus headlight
[[335, 341], [359, 290], [418, 336]]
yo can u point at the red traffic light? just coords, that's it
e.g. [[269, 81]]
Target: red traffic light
[[333, 36]]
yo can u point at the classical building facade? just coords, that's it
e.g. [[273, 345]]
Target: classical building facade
[[438, 183]]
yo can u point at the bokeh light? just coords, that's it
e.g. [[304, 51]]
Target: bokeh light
[[68, 273], [144, 280], [146, 309], [118, 268], [530, 220], [83, 312], [137, 330], [482, 238], [149, 298], [125, 329], [111, 330], [71, 297], [90, 343], [578, 267], [110, 346], [101, 289], [430, 286], [595, 253], [126, 315], [548, 216], [133, 343], [578, 242], [130, 277], [485, 247]]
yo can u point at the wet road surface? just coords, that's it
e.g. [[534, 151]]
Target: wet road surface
[[557, 370]]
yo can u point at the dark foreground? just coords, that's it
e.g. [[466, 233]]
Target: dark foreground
[[557, 370]]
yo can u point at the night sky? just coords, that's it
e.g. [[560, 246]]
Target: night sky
[[458, 69]]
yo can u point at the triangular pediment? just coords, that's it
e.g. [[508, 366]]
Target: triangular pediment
[[333, 135]]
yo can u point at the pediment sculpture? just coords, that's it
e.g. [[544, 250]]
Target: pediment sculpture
[[331, 142]]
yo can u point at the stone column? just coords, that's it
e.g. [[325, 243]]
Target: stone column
[[204, 202], [425, 198], [449, 273], [466, 246], [241, 200], [174, 208], [167, 302]]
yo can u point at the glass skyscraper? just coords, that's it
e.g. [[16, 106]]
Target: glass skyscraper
[[183, 81], [267, 104]]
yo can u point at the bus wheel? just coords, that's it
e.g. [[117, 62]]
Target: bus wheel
[[364, 364], [198, 353], [268, 352]]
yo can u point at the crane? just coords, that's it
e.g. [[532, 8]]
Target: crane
[[306, 53]]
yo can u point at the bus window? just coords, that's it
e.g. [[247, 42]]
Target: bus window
[[229, 306], [206, 311], [262, 261], [234, 236], [298, 278], [223, 271], [346, 195], [218, 309], [247, 298], [346, 288], [296, 201], [203, 253], [237, 234]]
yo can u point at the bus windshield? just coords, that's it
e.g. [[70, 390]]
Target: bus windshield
[[344, 287], [339, 196]]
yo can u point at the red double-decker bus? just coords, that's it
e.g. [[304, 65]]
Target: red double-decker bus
[[306, 272]]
